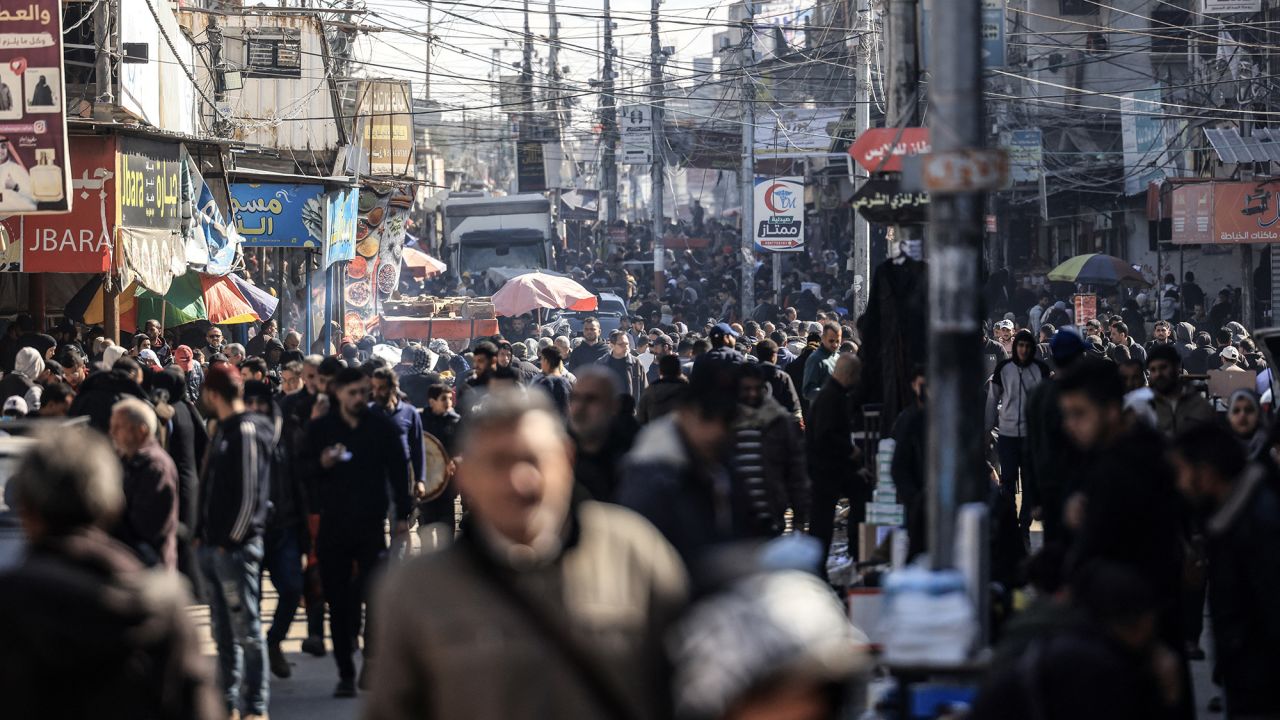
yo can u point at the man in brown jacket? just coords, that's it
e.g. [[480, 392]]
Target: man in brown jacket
[[149, 523], [546, 607]]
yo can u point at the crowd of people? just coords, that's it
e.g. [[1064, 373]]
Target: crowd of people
[[629, 523]]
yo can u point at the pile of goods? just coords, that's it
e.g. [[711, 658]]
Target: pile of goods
[[441, 308]]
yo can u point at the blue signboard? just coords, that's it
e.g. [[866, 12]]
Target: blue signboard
[[341, 209], [278, 214]]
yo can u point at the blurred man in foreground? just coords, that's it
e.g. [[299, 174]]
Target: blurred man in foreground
[[578, 591], [87, 631]]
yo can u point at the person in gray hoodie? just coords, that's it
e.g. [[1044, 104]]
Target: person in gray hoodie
[[1184, 339], [1011, 384]]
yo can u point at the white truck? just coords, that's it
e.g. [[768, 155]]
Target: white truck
[[483, 232]]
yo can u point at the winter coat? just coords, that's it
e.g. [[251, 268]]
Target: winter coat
[[585, 354], [1244, 581], [1173, 415], [685, 498], [474, 652], [99, 393], [597, 471], [630, 374], [149, 524], [236, 483], [89, 633], [784, 391], [1011, 383], [767, 467], [817, 368], [659, 399], [1184, 334]]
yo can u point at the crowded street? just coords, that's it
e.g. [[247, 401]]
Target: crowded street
[[639, 360]]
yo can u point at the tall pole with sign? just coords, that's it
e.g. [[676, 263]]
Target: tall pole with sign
[[748, 163], [957, 174], [860, 248], [609, 128], [904, 78], [658, 169]]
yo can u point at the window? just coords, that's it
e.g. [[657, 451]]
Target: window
[[1169, 35], [1077, 7], [273, 53]]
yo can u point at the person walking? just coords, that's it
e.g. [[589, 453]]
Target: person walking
[[360, 467], [87, 630], [832, 455], [768, 462], [553, 380], [818, 366], [580, 591], [662, 396], [234, 502], [624, 366], [1006, 413], [1177, 408], [441, 422], [591, 350], [149, 524]]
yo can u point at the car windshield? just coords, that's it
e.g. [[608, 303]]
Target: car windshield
[[478, 258]]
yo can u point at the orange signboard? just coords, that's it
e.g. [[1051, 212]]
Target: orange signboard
[[1226, 213]]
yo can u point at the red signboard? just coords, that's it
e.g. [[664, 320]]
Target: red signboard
[[81, 240], [1191, 214], [882, 149], [1226, 213]]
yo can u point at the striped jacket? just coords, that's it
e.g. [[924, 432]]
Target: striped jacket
[[235, 482]]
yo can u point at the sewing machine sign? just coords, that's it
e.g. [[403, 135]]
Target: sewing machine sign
[[278, 214], [779, 214]]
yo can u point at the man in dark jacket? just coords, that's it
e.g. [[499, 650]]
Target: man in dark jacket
[[389, 402], [1177, 408], [663, 395], [832, 456], [624, 366], [355, 457], [234, 500], [186, 441], [1243, 511], [768, 462], [723, 352], [601, 434], [88, 632], [441, 422], [475, 385], [780, 385], [149, 524], [591, 350], [1049, 474], [1120, 339], [416, 375], [674, 474]]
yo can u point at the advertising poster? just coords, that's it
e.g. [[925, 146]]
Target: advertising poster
[[531, 167], [35, 176], [1192, 214], [1086, 307], [340, 210], [1246, 213], [278, 214], [779, 214], [386, 275], [386, 128], [79, 242], [149, 175]]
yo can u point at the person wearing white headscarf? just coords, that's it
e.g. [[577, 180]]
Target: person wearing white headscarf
[[22, 381]]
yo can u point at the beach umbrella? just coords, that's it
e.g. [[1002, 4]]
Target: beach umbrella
[[535, 290], [1098, 269]]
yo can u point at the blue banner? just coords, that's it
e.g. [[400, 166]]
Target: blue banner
[[341, 208], [278, 214]]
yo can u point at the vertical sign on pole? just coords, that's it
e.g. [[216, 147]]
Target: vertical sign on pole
[[779, 214]]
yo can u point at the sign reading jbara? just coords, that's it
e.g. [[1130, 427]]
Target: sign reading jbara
[[779, 214], [34, 171]]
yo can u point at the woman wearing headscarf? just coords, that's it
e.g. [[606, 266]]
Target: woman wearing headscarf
[[416, 379], [1247, 423], [22, 381]]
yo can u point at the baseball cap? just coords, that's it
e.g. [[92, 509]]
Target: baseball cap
[[1230, 353], [1006, 324], [722, 329], [183, 357], [15, 406]]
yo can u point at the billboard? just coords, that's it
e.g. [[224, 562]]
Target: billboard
[[80, 241], [1191, 214], [149, 174], [1227, 213], [278, 214], [35, 172], [779, 214], [385, 122]]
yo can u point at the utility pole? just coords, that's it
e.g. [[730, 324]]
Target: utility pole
[[426, 57], [659, 170], [748, 174], [860, 248], [904, 77], [526, 76], [609, 134], [955, 442]]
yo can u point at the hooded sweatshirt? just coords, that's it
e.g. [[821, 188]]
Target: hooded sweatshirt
[[1011, 383], [1183, 333]]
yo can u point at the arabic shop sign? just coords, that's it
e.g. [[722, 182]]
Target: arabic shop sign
[[278, 214], [149, 174], [882, 149], [779, 214], [884, 201], [35, 175], [1226, 213], [75, 242], [341, 208]]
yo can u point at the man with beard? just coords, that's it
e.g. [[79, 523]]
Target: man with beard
[[1176, 408], [475, 385], [600, 433], [355, 457], [1127, 510], [591, 350]]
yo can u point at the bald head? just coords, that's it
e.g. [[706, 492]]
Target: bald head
[[848, 370]]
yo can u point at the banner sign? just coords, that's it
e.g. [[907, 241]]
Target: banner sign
[[636, 124], [340, 210], [1191, 214], [531, 167], [278, 214], [1225, 7], [1086, 307], [149, 174], [1026, 155], [779, 214], [35, 173], [386, 128], [1226, 213]]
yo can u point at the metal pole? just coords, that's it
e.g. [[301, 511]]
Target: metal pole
[[658, 170], [102, 64], [609, 121], [955, 454], [860, 248], [904, 78], [748, 173]]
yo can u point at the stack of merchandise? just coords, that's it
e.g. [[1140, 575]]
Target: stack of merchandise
[[884, 508]]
